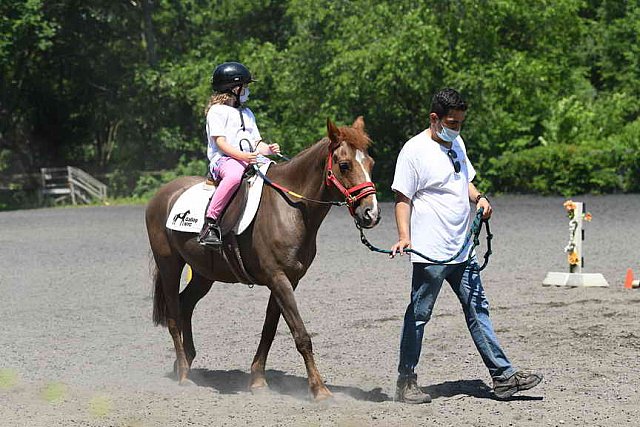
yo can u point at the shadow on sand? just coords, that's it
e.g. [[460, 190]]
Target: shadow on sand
[[236, 381], [473, 388]]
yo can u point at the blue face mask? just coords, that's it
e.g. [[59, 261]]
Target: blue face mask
[[446, 134], [244, 95]]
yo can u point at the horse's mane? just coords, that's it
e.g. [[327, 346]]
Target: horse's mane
[[356, 138]]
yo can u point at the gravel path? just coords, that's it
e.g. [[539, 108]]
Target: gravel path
[[78, 347]]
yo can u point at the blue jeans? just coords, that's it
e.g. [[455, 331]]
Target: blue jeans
[[465, 281]]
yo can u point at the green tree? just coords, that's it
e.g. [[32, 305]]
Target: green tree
[[121, 86]]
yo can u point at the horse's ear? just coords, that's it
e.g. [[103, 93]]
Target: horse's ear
[[334, 134], [359, 124]]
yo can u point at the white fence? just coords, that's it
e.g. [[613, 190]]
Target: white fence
[[71, 183]]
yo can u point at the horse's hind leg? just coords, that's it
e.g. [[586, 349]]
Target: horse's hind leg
[[282, 290], [258, 381], [167, 307], [197, 288]]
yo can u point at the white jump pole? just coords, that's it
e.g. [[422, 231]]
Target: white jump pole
[[575, 277], [576, 236]]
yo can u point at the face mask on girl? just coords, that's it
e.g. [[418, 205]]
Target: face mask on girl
[[447, 134], [244, 95]]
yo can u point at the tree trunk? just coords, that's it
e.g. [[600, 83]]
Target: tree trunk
[[149, 36]]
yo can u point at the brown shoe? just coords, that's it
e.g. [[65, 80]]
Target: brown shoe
[[521, 380], [407, 391]]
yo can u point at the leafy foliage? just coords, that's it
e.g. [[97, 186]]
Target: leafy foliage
[[119, 87]]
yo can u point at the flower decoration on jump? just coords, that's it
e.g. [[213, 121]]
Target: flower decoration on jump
[[570, 207], [573, 257]]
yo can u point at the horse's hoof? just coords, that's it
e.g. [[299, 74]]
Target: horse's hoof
[[186, 383], [323, 395], [180, 373], [261, 390]]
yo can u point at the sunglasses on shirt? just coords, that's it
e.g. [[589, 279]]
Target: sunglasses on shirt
[[453, 156]]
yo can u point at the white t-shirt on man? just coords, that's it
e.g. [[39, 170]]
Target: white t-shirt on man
[[223, 120], [439, 196]]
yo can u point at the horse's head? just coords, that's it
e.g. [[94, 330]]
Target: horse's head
[[349, 171]]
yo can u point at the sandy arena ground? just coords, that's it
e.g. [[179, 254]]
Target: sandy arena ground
[[78, 347]]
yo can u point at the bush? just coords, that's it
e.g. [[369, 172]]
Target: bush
[[148, 184], [19, 199], [567, 170]]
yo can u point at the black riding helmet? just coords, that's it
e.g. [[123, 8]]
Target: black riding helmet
[[228, 75]]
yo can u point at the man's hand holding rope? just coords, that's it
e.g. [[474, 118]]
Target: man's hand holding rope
[[483, 203]]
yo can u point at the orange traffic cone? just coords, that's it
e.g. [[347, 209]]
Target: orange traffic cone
[[628, 281]]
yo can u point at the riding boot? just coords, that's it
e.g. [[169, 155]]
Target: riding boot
[[210, 235]]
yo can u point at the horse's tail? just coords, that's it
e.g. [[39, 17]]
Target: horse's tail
[[159, 300]]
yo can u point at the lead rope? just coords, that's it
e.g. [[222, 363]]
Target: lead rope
[[474, 230]]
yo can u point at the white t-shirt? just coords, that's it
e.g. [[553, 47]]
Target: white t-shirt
[[439, 196], [223, 120]]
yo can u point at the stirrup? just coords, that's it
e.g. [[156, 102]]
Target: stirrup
[[210, 235]]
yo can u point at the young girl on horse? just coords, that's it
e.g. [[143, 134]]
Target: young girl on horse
[[233, 141]]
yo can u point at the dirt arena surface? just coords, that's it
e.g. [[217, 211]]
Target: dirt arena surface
[[78, 347]]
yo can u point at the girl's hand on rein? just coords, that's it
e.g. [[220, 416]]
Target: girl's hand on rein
[[400, 247], [250, 157], [275, 148]]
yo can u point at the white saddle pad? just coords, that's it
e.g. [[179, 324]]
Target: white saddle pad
[[187, 213]]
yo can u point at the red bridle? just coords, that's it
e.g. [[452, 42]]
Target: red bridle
[[353, 194]]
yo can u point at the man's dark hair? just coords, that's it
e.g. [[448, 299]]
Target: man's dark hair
[[446, 100]]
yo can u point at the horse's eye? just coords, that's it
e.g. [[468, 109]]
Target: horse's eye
[[344, 166]]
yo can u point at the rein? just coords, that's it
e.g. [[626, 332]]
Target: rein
[[474, 230], [351, 195], [292, 193], [279, 187]]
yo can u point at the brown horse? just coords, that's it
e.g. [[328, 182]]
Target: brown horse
[[278, 247]]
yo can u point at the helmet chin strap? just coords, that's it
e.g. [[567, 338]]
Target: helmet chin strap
[[238, 105], [241, 118]]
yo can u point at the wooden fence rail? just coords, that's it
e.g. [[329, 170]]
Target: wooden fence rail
[[71, 183]]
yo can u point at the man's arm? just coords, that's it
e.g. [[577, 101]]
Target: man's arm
[[403, 223], [480, 200]]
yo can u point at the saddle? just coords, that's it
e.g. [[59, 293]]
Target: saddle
[[232, 214], [187, 215], [229, 218]]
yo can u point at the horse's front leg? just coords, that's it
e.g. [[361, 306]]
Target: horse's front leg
[[282, 290], [272, 318]]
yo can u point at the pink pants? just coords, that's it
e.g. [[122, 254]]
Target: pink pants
[[229, 171]]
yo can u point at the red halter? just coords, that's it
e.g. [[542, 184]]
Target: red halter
[[353, 194]]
